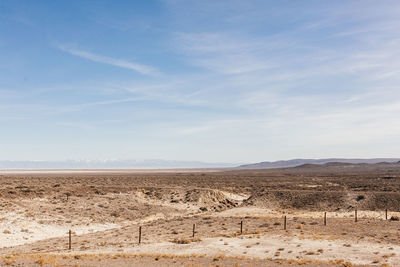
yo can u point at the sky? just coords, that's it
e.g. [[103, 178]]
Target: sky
[[214, 81]]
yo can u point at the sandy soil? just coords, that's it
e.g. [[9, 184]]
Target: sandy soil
[[104, 212]]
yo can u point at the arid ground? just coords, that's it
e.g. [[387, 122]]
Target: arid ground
[[104, 210]]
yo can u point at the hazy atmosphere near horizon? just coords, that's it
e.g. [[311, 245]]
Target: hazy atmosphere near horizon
[[212, 81]]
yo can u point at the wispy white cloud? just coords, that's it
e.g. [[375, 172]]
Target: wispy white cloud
[[223, 53], [140, 68], [74, 124], [108, 102]]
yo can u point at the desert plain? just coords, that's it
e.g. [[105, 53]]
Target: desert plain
[[203, 217]]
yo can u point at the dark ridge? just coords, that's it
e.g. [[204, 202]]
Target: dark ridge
[[304, 162], [329, 164]]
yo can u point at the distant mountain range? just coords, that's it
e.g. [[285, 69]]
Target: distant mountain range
[[165, 164], [105, 164], [298, 162]]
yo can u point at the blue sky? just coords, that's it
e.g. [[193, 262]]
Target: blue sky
[[215, 81]]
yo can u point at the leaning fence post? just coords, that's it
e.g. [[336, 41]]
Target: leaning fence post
[[69, 239], [194, 228], [325, 218], [140, 234]]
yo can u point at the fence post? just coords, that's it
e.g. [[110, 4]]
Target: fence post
[[355, 215], [194, 228], [241, 227], [69, 240], [284, 223], [386, 214], [140, 234], [325, 218]]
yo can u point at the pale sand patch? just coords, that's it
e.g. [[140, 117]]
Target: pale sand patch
[[237, 197], [16, 229], [267, 246], [112, 170], [277, 213]]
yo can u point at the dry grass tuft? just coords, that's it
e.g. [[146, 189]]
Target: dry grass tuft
[[185, 240]]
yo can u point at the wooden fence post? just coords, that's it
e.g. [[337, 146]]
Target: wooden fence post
[[194, 228], [325, 218], [140, 234], [69, 239], [386, 214], [355, 215], [284, 223], [241, 227]]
